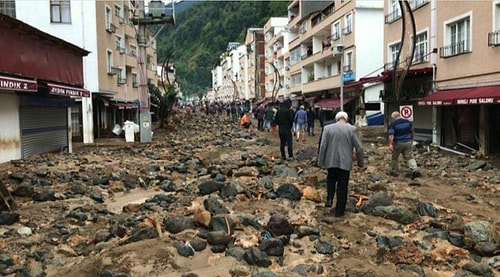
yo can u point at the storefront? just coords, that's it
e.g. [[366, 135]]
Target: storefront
[[468, 117], [39, 82]]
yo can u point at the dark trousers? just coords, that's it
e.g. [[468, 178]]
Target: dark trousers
[[310, 127], [260, 124], [337, 180], [286, 139]]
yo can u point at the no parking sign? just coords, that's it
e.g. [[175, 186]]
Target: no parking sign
[[406, 112]]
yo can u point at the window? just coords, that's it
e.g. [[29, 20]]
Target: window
[[494, 37], [348, 62], [119, 44], [348, 23], [109, 62], [60, 11], [420, 48], [119, 13], [457, 38], [394, 11], [393, 53], [109, 19], [133, 50], [120, 78], [8, 7], [336, 31]]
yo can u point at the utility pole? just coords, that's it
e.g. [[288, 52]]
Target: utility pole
[[145, 115], [156, 15]]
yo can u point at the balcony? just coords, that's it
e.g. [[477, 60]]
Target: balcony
[[494, 38], [454, 49], [393, 16]]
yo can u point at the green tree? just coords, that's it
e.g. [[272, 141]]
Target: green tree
[[202, 33], [164, 102]]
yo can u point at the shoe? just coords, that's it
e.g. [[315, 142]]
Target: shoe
[[329, 203], [339, 214], [394, 174], [415, 174]]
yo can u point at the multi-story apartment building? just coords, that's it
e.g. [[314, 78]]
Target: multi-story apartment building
[[335, 48], [276, 42], [254, 42], [453, 79], [111, 73]]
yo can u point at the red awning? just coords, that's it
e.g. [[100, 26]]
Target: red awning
[[331, 103], [123, 105], [310, 99], [465, 96], [297, 98], [265, 102], [10, 83], [67, 91]]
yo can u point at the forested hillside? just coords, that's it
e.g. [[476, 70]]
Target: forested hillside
[[202, 32]]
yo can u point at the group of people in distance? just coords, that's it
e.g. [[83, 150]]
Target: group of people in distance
[[338, 141]]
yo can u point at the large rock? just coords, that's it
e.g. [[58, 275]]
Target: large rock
[[480, 231], [399, 214], [289, 191]]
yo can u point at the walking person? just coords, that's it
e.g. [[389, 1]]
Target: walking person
[[284, 120], [401, 134], [311, 116], [268, 118], [335, 154], [300, 123], [259, 114]]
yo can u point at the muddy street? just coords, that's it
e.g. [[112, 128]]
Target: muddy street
[[207, 198]]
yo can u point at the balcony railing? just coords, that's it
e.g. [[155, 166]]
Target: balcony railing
[[420, 57], [393, 16], [454, 49], [322, 15], [110, 28], [494, 38], [418, 3]]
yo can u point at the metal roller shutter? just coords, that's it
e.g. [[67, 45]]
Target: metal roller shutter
[[43, 129]]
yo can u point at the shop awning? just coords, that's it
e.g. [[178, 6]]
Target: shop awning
[[310, 100], [364, 81], [55, 89], [465, 96], [123, 105], [331, 103], [18, 84]]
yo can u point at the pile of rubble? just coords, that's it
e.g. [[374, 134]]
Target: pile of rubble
[[207, 198]]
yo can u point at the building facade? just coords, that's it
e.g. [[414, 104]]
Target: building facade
[[41, 79], [453, 78], [335, 50], [276, 42], [105, 29]]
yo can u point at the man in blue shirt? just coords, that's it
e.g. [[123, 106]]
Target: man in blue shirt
[[401, 134]]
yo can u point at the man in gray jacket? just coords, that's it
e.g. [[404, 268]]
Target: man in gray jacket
[[335, 154]]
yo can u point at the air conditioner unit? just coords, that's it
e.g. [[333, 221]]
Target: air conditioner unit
[[337, 49]]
